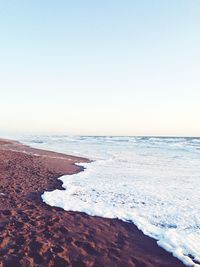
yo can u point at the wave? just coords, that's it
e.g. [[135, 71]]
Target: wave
[[153, 182]]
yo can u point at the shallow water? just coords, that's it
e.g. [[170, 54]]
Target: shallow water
[[152, 181]]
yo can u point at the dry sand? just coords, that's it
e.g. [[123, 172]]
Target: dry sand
[[35, 234]]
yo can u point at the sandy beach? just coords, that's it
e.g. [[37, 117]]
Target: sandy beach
[[35, 234]]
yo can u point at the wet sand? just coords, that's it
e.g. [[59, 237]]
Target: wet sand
[[35, 234]]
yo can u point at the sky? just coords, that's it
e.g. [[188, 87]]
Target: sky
[[108, 67]]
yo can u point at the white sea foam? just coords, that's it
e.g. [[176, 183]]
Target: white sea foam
[[153, 182]]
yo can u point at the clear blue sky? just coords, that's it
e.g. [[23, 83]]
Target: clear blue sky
[[100, 67]]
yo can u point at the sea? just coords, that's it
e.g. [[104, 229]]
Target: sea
[[153, 182]]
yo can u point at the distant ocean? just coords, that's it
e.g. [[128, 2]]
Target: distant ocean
[[153, 182]]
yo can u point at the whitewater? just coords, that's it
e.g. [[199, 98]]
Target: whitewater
[[153, 182]]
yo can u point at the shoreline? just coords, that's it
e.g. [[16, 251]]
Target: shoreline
[[35, 234]]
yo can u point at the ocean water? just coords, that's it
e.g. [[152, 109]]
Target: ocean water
[[153, 182]]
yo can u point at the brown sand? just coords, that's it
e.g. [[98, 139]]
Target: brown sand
[[35, 234]]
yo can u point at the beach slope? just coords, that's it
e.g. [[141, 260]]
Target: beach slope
[[35, 234]]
